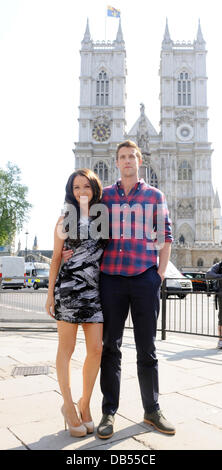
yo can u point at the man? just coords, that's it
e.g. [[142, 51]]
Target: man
[[131, 278], [215, 272]]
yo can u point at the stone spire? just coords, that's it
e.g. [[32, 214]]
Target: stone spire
[[87, 36], [200, 42], [217, 201], [167, 41], [199, 33], [119, 36], [35, 244]]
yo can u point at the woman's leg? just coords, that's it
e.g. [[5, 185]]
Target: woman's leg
[[93, 336], [67, 340]]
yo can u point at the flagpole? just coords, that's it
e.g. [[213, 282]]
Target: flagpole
[[105, 23]]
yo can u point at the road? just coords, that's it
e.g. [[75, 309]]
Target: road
[[194, 314], [26, 305]]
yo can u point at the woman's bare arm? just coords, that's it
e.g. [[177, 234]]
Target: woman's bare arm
[[55, 264]]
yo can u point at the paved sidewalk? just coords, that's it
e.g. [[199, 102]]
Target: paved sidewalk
[[190, 395]]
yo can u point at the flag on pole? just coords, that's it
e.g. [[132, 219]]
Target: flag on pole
[[113, 12]]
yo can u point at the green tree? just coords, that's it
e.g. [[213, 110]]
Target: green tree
[[14, 207]]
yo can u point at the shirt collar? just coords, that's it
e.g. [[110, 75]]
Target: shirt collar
[[137, 185]]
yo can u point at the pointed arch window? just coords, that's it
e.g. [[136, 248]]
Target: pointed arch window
[[102, 89], [184, 171], [184, 89], [101, 169], [149, 175]]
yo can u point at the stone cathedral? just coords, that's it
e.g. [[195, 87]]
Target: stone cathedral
[[177, 159]]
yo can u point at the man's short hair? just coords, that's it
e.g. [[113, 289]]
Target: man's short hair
[[129, 143]]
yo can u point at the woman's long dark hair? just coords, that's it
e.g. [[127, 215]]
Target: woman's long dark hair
[[95, 184]]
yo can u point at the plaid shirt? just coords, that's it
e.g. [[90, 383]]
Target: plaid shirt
[[134, 232]]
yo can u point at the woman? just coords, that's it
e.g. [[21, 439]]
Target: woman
[[73, 297]]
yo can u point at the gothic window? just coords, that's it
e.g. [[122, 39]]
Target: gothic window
[[150, 176], [200, 262], [101, 169], [216, 260], [184, 89], [102, 89], [184, 171], [185, 210]]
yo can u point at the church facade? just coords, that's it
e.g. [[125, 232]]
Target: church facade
[[177, 159]]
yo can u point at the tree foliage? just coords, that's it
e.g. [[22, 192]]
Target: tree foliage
[[14, 207]]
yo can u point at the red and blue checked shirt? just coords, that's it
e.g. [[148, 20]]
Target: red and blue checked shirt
[[138, 224]]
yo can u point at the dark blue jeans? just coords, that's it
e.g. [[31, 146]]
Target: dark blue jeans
[[141, 294]]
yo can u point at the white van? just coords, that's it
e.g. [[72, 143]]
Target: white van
[[12, 272], [176, 282], [37, 274]]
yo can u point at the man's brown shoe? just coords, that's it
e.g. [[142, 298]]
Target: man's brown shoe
[[160, 423], [105, 428]]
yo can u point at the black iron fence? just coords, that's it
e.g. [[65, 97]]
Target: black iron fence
[[24, 308], [194, 314], [180, 311]]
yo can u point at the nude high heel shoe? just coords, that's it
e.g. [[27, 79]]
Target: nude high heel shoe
[[90, 424], [75, 431]]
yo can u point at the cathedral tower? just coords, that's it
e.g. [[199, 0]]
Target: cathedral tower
[[185, 151], [102, 104]]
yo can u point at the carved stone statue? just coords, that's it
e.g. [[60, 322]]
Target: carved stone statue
[[142, 133], [142, 109]]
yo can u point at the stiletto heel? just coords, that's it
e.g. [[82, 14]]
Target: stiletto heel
[[65, 424], [75, 431], [90, 424]]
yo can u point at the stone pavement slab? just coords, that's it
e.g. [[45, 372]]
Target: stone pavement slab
[[23, 386], [29, 408], [211, 394], [180, 408], [9, 441], [192, 435], [49, 434], [178, 379], [190, 395]]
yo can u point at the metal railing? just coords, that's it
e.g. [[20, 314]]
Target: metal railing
[[24, 307], [194, 314]]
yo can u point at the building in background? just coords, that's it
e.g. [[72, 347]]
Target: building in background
[[177, 159]]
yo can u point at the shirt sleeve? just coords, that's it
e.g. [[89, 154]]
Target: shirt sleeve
[[162, 221]]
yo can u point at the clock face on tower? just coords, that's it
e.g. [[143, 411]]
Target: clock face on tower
[[185, 132], [101, 132]]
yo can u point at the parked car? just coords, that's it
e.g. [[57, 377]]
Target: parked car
[[176, 282], [199, 281], [12, 272]]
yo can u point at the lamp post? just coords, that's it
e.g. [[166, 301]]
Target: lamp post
[[26, 249]]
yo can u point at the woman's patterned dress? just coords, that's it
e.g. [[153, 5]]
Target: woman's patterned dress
[[77, 286]]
